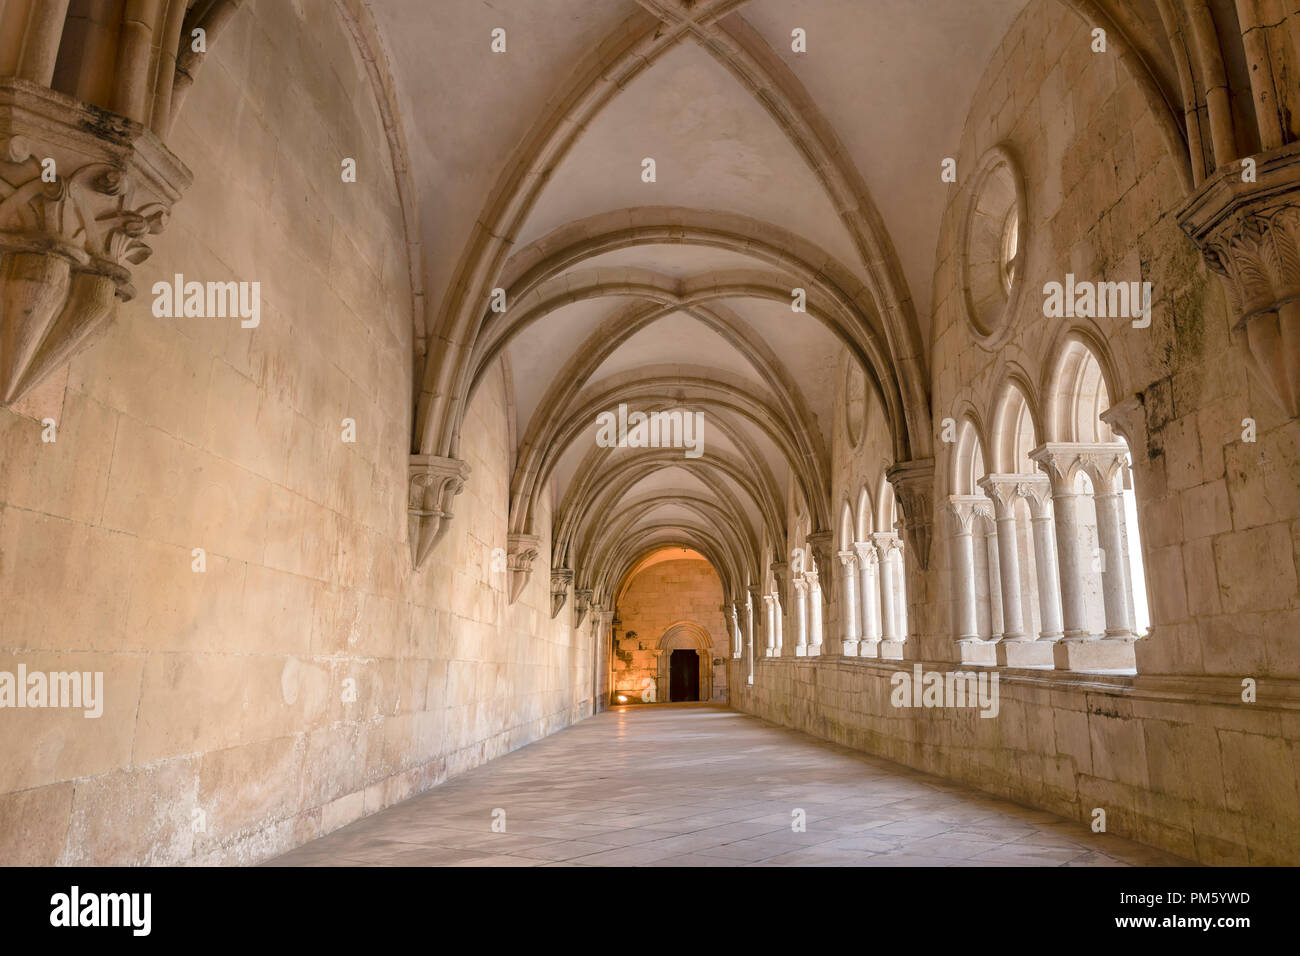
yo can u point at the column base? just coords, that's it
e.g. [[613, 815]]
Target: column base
[[869, 649], [850, 649], [814, 650], [1094, 654], [801, 652], [977, 652], [1025, 654], [891, 650]]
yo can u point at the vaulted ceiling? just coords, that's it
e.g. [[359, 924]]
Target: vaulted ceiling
[[774, 170]]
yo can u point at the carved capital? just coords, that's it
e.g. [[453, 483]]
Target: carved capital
[[964, 509], [913, 483], [867, 556], [1062, 461], [522, 549], [561, 578], [886, 542], [1002, 490], [1059, 461], [1037, 490], [1249, 234], [434, 482], [71, 231], [1105, 466]]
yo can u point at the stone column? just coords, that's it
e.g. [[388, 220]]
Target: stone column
[[897, 554], [852, 630], [1018, 648], [816, 605], [737, 639], [1079, 650], [769, 604], [1059, 462], [601, 624], [1035, 489], [1001, 490], [1105, 470], [963, 512], [869, 596], [751, 627], [965, 621], [891, 645], [780, 626], [801, 616], [781, 577], [988, 541]]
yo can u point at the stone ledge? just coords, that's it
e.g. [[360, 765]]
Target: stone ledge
[[1273, 694]]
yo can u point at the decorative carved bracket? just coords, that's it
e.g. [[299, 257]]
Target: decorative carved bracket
[[434, 482], [521, 549], [913, 483], [561, 578], [1249, 234], [581, 605], [821, 544], [781, 575], [67, 244]]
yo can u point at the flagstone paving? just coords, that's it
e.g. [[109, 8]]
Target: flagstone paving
[[701, 785]]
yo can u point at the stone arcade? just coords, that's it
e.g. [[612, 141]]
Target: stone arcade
[[370, 542]]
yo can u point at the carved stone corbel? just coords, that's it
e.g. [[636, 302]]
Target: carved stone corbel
[[1249, 234], [581, 605], [561, 578], [521, 549], [821, 544], [434, 482], [781, 575], [80, 189], [913, 483]]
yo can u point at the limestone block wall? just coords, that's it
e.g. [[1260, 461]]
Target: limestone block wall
[[662, 595], [1176, 755], [305, 676]]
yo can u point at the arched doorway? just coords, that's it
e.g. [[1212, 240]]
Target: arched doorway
[[685, 663]]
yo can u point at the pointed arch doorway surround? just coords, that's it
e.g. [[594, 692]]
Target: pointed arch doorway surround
[[685, 636]]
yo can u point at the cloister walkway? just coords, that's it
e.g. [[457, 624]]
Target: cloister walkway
[[701, 785]]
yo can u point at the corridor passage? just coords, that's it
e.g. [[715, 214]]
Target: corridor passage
[[701, 785]]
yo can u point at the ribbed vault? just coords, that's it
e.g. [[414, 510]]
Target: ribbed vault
[[730, 284]]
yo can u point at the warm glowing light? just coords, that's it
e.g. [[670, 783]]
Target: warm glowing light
[[622, 699]]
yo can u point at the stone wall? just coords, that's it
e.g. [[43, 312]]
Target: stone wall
[[1175, 755], [660, 596], [305, 676]]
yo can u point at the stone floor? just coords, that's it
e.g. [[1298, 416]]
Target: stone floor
[[700, 785]]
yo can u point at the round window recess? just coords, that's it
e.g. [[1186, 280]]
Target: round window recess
[[855, 403], [992, 248]]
